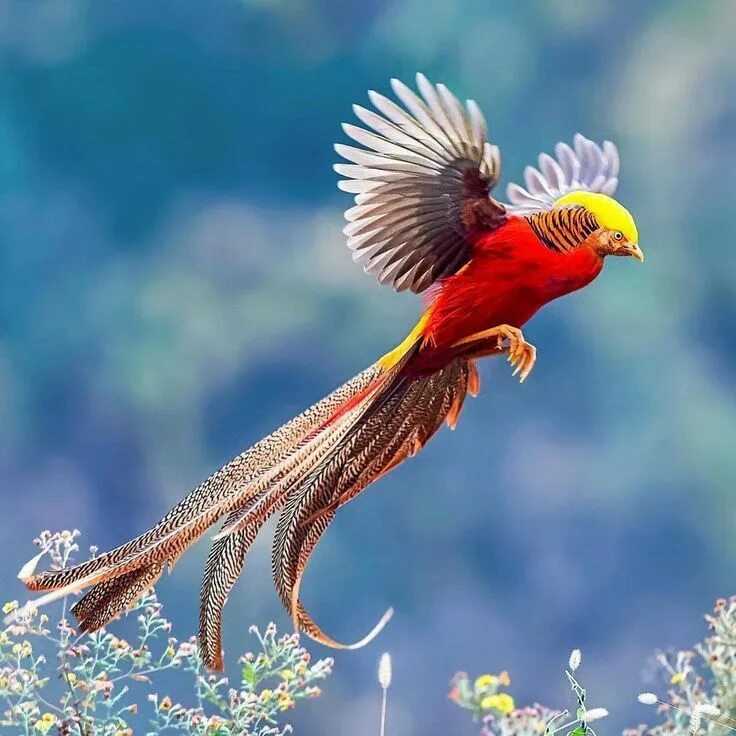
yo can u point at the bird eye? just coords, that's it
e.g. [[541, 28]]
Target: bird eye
[[618, 235]]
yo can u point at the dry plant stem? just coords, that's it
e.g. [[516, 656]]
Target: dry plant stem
[[384, 697]]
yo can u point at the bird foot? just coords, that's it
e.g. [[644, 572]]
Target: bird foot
[[504, 339], [522, 354]]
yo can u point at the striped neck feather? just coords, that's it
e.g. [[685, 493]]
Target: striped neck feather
[[563, 228]]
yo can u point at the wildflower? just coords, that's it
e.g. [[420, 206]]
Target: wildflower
[[10, 606], [504, 679], [648, 698], [575, 659], [502, 702], [44, 723], [677, 678], [485, 681], [384, 671], [214, 722], [287, 675], [166, 703]]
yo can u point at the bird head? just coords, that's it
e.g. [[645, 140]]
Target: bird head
[[618, 235]]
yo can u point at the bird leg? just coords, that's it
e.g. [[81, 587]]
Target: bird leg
[[502, 339]]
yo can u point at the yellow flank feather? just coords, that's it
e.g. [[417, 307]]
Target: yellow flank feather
[[394, 356], [609, 213]]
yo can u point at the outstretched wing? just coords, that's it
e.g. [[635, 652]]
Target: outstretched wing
[[421, 184], [586, 166]]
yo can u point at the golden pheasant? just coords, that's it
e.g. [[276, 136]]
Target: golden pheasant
[[423, 220]]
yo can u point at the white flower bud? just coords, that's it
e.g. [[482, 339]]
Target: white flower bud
[[648, 698]]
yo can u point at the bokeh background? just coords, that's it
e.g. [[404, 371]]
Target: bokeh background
[[174, 284]]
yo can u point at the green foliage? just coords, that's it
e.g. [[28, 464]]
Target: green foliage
[[95, 682]]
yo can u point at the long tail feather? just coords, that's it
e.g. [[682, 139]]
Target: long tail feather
[[227, 556], [387, 433], [227, 489], [224, 564], [105, 600]]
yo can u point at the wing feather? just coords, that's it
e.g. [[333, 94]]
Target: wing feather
[[422, 163], [584, 165]]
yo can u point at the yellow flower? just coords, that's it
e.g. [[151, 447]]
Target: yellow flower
[[485, 681], [501, 701], [265, 695], [166, 703], [71, 677], [10, 606], [287, 675], [677, 678], [285, 702], [44, 723]]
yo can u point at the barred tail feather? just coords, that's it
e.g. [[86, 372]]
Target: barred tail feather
[[224, 565], [105, 600], [228, 489], [227, 556], [391, 429]]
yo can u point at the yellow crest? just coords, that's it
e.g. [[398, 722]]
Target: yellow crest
[[609, 213]]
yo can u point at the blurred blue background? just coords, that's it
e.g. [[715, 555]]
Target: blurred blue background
[[174, 284]]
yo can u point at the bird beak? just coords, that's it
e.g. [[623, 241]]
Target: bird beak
[[633, 250]]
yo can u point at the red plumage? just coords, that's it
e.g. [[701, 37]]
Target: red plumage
[[510, 276]]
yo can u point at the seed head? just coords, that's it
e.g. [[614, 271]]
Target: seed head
[[384, 671], [575, 659], [648, 698]]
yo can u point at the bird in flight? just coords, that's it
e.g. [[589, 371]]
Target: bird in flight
[[425, 219]]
